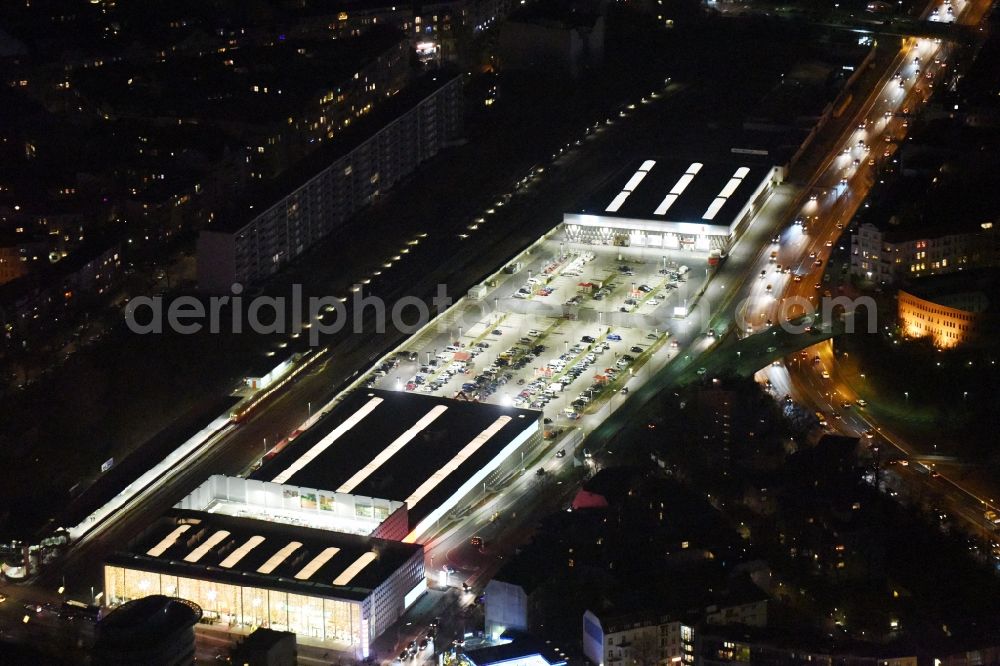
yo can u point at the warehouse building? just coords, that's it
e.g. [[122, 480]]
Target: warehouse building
[[343, 588], [674, 204], [294, 505], [437, 456]]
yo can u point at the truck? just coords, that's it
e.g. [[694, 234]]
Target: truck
[[556, 387], [716, 257]]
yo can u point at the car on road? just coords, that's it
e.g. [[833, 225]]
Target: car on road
[[477, 542], [561, 453], [825, 374], [423, 644], [614, 337], [636, 349], [702, 371]]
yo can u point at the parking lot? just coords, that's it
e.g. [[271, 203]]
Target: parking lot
[[563, 329]]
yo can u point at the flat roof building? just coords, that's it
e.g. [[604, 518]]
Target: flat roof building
[[317, 583], [673, 204], [156, 630], [432, 454], [296, 505], [317, 197]]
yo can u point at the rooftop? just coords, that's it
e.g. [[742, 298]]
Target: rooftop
[[672, 190], [398, 446], [271, 192], [251, 84], [527, 650], [264, 639], [947, 289], [243, 551], [148, 619]]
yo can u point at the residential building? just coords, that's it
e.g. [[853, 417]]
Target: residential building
[[321, 195], [344, 588], [886, 255]]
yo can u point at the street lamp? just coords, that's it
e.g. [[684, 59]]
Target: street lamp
[[907, 394]]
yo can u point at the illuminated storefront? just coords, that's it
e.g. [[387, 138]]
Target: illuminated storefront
[[316, 617], [341, 588]]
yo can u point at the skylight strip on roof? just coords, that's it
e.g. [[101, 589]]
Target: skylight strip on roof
[[356, 567], [168, 541], [453, 464], [730, 187], [682, 184], [324, 443], [279, 557], [234, 557], [317, 562], [694, 168], [714, 208], [742, 172], [647, 165], [665, 205], [617, 202], [210, 543], [392, 449], [634, 181]]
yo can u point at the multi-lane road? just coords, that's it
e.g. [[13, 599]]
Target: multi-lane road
[[815, 378]]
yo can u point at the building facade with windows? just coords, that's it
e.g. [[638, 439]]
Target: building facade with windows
[[637, 639], [886, 256], [312, 201]]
